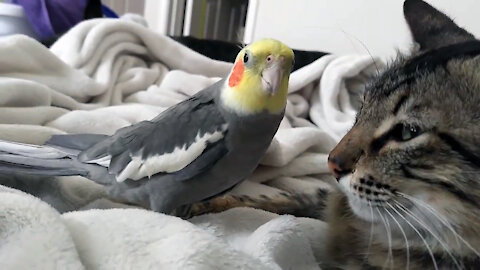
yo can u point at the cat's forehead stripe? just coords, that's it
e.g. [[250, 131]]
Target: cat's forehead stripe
[[400, 103], [384, 127], [424, 63]]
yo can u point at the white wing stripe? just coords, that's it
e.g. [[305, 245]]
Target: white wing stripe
[[131, 169], [178, 159], [103, 161]]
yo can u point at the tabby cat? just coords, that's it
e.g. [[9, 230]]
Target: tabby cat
[[408, 193], [408, 169]]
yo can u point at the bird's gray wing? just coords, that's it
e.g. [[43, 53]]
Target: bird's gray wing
[[183, 141]]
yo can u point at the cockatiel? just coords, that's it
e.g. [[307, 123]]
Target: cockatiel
[[195, 150]]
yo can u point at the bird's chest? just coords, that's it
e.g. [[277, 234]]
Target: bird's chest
[[250, 137]]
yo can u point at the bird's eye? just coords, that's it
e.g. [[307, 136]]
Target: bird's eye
[[409, 132], [245, 57]]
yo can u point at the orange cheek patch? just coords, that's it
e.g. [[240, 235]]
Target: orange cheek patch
[[237, 74]]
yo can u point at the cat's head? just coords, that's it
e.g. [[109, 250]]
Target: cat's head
[[413, 154]]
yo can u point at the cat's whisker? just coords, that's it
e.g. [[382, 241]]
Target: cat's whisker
[[364, 47], [442, 219], [429, 230], [389, 238], [404, 236], [371, 231], [416, 230], [391, 241]]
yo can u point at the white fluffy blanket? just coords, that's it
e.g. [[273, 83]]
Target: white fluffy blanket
[[106, 74]]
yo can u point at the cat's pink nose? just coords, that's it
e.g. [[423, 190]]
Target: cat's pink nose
[[337, 167]]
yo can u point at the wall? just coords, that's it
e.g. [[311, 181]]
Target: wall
[[125, 6], [341, 26]]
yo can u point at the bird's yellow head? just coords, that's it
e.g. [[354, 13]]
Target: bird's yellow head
[[259, 78]]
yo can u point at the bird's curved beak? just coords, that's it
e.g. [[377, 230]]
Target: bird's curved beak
[[272, 77]]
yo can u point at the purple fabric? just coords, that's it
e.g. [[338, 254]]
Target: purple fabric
[[51, 17]]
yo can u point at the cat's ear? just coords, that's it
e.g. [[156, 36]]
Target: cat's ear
[[431, 28]]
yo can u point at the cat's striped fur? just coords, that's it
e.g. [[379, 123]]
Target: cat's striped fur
[[409, 169]]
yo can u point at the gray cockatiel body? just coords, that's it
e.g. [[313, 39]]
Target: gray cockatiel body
[[195, 150]]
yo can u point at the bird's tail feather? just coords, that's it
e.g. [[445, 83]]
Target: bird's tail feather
[[19, 158], [30, 150]]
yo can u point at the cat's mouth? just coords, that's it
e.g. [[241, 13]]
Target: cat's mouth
[[366, 196]]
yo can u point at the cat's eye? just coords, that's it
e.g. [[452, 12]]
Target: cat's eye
[[409, 132]]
